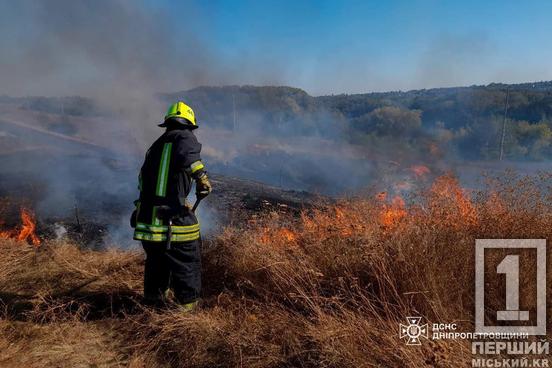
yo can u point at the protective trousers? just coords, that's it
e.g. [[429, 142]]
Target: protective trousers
[[178, 268]]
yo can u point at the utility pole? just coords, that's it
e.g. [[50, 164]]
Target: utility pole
[[504, 124], [235, 124]]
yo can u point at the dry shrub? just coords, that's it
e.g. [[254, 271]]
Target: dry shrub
[[68, 344], [327, 289], [233, 333], [60, 281], [341, 279]]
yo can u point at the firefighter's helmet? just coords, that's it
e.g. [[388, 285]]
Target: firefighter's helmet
[[181, 113]]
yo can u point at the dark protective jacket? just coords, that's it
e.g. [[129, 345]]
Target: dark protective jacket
[[165, 181]]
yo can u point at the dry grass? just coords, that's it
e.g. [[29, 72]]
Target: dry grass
[[325, 290]]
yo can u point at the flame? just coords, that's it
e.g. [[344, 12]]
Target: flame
[[287, 234], [27, 232], [445, 202], [446, 189], [420, 170], [264, 235], [324, 224], [308, 222], [271, 236], [392, 213]]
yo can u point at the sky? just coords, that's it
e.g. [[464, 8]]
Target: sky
[[358, 46], [324, 47]]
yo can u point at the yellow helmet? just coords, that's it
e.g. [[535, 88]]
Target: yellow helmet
[[180, 111]]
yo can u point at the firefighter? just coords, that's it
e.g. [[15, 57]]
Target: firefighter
[[163, 219]]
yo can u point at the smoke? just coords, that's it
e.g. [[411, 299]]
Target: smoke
[[64, 47], [119, 52]]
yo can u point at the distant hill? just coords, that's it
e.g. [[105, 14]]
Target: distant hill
[[278, 110], [528, 101], [464, 121]]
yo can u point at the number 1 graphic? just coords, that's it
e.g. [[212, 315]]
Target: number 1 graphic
[[510, 267]]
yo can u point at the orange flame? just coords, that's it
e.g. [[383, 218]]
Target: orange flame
[[392, 213], [269, 236], [287, 234], [27, 230], [447, 189], [339, 214]]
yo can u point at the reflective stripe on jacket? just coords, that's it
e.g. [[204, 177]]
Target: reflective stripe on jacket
[[165, 180]]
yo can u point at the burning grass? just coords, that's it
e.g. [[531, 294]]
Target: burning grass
[[326, 289], [26, 232]]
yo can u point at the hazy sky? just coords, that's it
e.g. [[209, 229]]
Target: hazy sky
[[352, 46], [49, 47]]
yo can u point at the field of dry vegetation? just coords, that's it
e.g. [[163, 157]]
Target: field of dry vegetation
[[326, 289]]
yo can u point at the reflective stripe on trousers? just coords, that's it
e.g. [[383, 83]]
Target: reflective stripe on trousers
[[158, 233], [140, 235]]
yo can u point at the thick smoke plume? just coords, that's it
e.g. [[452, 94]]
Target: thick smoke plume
[[118, 52], [64, 47]]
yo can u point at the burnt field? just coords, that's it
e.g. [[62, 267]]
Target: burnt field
[[95, 223], [84, 191]]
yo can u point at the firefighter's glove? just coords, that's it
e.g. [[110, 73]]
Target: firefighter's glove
[[203, 186], [188, 205]]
